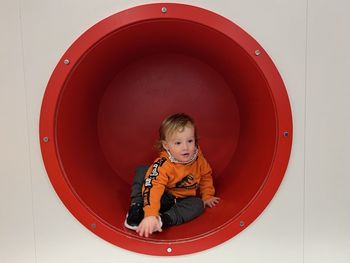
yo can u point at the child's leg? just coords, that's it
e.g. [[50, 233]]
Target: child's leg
[[135, 213], [136, 188], [185, 209], [166, 202]]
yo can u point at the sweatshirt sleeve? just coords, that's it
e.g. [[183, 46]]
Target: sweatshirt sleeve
[[206, 186], [153, 188]]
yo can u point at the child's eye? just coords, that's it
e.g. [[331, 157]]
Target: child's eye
[[190, 141], [177, 143]]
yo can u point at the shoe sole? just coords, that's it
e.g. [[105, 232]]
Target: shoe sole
[[129, 226]]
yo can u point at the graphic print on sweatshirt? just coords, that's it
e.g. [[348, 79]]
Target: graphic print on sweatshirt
[[187, 182], [148, 181]]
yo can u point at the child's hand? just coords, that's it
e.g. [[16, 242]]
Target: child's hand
[[212, 202], [148, 225]]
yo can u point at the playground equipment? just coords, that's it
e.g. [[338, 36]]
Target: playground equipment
[[113, 86]]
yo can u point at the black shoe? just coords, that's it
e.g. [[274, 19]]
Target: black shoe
[[134, 216]]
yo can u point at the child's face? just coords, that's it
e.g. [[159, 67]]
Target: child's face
[[181, 144]]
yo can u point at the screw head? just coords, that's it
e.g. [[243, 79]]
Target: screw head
[[241, 223], [257, 52], [164, 9], [66, 61], [285, 134], [46, 139], [169, 250], [93, 225]]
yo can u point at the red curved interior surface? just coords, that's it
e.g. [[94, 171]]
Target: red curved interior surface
[[116, 96]]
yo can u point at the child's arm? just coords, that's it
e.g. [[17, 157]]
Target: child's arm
[[153, 189], [206, 186]]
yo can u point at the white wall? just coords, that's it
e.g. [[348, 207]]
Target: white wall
[[327, 176], [16, 206], [307, 219]]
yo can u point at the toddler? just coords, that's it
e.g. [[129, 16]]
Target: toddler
[[167, 194]]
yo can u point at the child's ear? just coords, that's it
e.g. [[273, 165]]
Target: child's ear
[[165, 145]]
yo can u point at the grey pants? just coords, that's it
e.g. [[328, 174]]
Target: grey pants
[[178, 210]]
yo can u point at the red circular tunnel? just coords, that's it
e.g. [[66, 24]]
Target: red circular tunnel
[[112, 88]]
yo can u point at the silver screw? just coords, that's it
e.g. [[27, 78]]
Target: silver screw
[[46, 139], [257, 52], [241, 223], [285, 134], [66, 61], [93, 225], [169, 250], [164, 9]]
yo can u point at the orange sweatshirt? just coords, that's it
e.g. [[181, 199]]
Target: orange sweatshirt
[[180, 180]]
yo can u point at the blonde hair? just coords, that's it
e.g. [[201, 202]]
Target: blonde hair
[[174, 123]]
